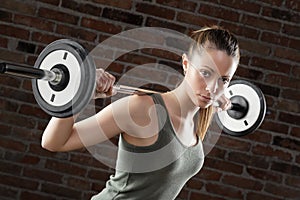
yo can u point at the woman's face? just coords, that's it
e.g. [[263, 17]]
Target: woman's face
[[208, 74]]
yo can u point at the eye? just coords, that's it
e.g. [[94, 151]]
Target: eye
[[224, 80], [205, 73]]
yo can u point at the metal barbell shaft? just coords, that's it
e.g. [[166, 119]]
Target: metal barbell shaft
[[27, 72], [35, 73]]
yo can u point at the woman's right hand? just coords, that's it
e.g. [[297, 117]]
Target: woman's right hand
[[104, 84]]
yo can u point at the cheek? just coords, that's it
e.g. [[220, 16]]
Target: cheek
[[196, 81]]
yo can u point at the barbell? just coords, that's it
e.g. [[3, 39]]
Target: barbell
[[64, 81]]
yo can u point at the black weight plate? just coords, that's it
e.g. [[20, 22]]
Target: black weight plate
[[255, 114], [84, 88]]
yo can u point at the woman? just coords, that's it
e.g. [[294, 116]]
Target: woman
[[150, 123]]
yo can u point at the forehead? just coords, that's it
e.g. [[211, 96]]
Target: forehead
[[218, 60]]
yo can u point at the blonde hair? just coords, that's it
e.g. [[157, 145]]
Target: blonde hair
[[220, 39]]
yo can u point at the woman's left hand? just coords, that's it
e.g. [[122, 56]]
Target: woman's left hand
[[223, 104]]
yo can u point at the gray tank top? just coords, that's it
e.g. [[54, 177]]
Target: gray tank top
[[155, 172]]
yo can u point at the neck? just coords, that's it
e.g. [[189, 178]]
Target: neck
[[181, 102]]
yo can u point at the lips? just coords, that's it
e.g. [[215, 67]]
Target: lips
[[205, 98]]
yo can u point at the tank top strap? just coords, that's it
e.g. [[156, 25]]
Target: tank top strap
[[162, 112]]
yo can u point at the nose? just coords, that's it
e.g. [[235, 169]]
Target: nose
[[212, 86]]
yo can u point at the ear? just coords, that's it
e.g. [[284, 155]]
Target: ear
[[184, 62]]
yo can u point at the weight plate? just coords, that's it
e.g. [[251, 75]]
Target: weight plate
[[78, 88], [255, 113]]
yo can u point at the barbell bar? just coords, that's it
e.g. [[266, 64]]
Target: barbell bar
[[63, 83]]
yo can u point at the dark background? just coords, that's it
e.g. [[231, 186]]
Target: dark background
[[261, 165]]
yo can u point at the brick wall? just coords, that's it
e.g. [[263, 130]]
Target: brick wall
[[262, 165]]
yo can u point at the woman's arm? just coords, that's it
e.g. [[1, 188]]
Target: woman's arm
[[62, 134]]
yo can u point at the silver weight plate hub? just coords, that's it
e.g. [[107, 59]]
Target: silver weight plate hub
[[57, 58], [254, 112]]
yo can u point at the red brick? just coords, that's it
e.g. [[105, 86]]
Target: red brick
[[78, 183], [65, 167], [293, 181], [291, 94], [180, 4], [164, 24], [291, 168], [162, 54], [122, 16], [10, 168], [8, 192], [265, 175], [275, 127], [12, 144], [19, 7], [233, 144], [271, 152], [136, 59], [224, 190], [195, 20], [223, 165], [81, 7], [34, 22], [289, 143], [125, 4], [100, 26], [261, 23], [99, 175], [254, 46], [288, 106], [31, 195], [291, 30], [249, 160], [40, 174], [216, 152], [17, 95], [77, 33], [239, 30], [277, 13], [282, 191], [155, 11], [23, 159], [53, 2], [294, 5], [259, 136], [183, 194], [282, 80], [204, 196], [294, 43], [8, 106], [273, 2], [217, 12], [60, 190], [195, 184], [290, 54], [247, 72], [44, 38], [295, 132], [255, 196], [242, 182], [14, 32], [5, 16], [242, 5], [57, 16], [271, 65], [19, 182], [87, 160], [33, 111], [289, 118], [207, 174], [275, 39]]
